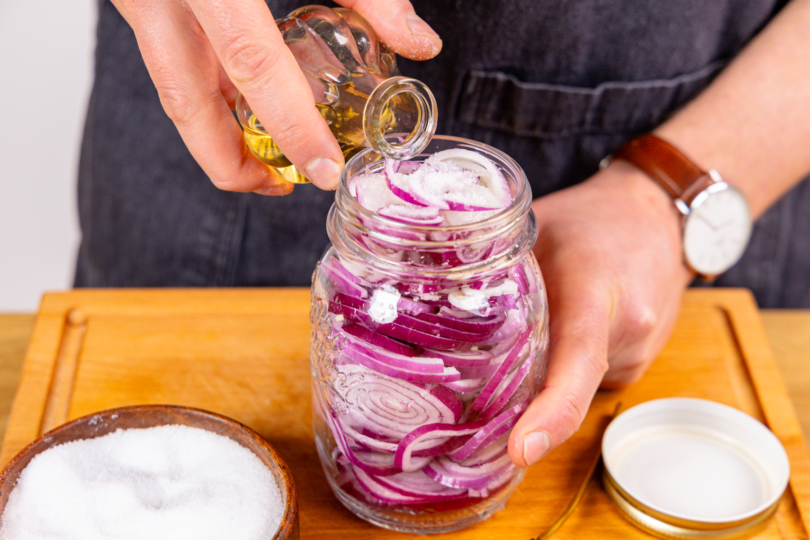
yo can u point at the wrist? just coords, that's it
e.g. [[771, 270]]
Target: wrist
[[716, 218]]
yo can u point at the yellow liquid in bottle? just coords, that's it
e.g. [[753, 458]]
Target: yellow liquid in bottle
[[344, 118]]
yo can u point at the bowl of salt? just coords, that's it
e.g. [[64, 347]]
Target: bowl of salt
[[149, 471]]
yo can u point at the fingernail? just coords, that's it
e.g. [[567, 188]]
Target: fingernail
[[535, 446], [323, 172], [417, 26], [274, 191]]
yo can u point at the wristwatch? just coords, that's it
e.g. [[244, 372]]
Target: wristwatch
[[716, 216]]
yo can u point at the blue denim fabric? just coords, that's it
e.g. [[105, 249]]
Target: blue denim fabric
[[556, 84]]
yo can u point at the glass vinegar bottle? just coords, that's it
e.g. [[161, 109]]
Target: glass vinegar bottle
[[357, 89]]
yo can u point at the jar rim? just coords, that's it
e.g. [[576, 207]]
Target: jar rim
[[507, 221], [519, 205]]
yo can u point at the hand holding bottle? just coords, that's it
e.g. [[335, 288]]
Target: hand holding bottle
[[199, 53]]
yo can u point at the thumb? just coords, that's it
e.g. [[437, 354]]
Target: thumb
[[399, 27], [577, 362]]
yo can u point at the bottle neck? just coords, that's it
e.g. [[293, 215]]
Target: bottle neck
[[399, 118]]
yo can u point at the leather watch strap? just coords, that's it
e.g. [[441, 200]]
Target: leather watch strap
[[676, 173]]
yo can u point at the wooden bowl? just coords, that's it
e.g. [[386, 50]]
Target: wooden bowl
[[146, 416]]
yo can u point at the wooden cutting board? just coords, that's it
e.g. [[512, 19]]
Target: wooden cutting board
[[244, 353]]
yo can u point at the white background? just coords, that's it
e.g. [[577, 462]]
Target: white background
[[46, 55]]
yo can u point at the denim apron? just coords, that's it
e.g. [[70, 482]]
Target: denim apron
[[556, 84]]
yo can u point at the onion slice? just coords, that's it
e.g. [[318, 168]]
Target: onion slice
[[489, 389], [418, 484], [395, 330], [451, 474], [491, 431], [427, 435], [412, 215], [343, 280], [378, 340], [383, 410], [494, 180], [455, 180]]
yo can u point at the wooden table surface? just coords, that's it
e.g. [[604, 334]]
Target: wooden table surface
[[788, 332], [175, 331]]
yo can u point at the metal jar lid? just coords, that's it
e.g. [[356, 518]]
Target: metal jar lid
[[691, 468]]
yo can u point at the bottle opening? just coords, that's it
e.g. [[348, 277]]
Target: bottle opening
[[399, 118]]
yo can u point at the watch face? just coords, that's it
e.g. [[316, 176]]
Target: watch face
[[717, 229]]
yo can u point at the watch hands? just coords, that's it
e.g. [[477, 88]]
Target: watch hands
[[706, 221], [726, 223]]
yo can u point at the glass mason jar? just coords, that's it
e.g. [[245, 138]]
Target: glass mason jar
[[428, 343]]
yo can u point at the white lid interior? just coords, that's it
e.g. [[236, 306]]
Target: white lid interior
[[696, 460]]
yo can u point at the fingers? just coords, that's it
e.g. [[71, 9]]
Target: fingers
[[255, 58], [399, 27], [185, 71], [577, 363]]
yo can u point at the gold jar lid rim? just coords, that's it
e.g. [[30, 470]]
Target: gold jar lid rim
[[691, 468]]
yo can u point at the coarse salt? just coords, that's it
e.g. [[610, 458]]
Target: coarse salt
[[168, 482]]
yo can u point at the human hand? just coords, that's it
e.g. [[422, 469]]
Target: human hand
[[610, 253], [200, 52]]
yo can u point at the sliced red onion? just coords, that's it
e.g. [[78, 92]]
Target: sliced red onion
[[494, 180], [418, 484], [451, 474], [446, 311], [424, 374], [427, 449], [475, 300], [463, 359], [479, 372], [407, 167], [517, 275], [389, 408], [372, 192], [464, 385], [496, 482], [418, 289], [417, 322], [489, 389], [382, 494], [354, 182], [412, 307], [476, 185], [484, 326], [372, 462], [393, 364], [398, 184], [373, 442], [429, 434], [447, 397], [378, 340], [506, 390], [411, 352], [491, 431], [510, 329], [412, 215], [471, 254], [491, 451], [342, 279], [410, 335]]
